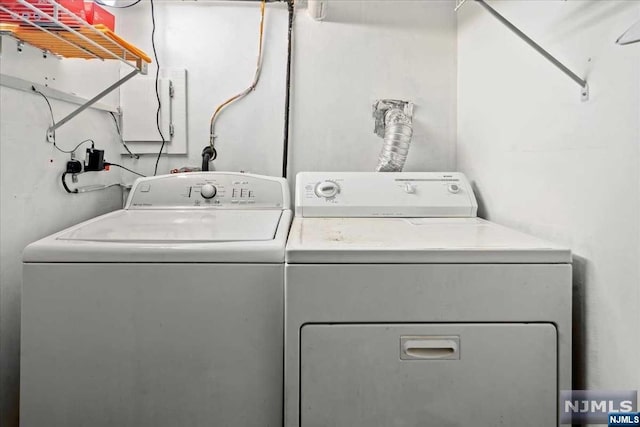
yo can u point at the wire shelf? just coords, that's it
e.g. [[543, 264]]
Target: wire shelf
[[51, 27]]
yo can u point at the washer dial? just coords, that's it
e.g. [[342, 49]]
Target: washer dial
[[208, 191], [327, 189]]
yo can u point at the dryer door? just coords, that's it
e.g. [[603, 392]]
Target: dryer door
[[428, 375]]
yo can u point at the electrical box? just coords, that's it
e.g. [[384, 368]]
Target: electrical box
[[139, 105]]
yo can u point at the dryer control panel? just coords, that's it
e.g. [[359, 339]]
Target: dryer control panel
[[384, 194], [222, 190]]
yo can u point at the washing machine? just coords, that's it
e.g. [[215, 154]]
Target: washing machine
[[165, 313], [403, 308]]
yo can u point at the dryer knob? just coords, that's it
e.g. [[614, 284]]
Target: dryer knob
[[208, 191], [327, 189]]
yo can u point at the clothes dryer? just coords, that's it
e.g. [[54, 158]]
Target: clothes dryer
[[403, 308]]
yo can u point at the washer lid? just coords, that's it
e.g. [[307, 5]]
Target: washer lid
[[178, 226], [169, 236], [415, 240]]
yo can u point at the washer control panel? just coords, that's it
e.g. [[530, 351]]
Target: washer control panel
[[384, 194], [223, 190]]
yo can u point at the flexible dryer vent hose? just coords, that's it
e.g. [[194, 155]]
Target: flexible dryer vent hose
[[394, 124]]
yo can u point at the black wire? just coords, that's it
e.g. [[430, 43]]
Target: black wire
[[64, 184], [118, 7], [76, 147], [287, 99], [53, 121], [75, 190], [33, 88], [126, 147], [122, 167], [155, 55]]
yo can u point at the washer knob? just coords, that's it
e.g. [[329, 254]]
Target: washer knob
[[208, 191], [327, 189], [454, 188]]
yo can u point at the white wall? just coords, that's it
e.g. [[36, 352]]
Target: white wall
[[364, 51], [544, 162], [33, 203], [217, 42]]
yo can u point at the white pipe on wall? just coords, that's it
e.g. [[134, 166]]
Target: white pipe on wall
[[317, 9]]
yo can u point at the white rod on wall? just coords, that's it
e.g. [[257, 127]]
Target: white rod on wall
[[528, 40], [632, 35]]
